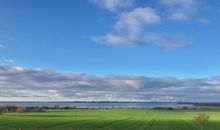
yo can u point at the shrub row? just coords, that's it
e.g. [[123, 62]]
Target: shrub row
[[20, 109]]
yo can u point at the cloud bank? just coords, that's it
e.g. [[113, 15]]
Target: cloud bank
[[19, 83]]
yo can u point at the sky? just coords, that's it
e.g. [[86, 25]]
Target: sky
[[110, 50]]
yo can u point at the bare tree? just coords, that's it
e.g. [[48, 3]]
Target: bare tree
[[21, 109], [201, 120]]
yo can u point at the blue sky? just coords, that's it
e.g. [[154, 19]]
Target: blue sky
[[176, 38]]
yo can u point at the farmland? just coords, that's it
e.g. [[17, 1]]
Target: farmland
[[146, 119]]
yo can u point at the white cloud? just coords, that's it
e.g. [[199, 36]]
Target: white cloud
[[166, 42], [113, 5], [129, 30], [137, 19], [122, 40], [163, 41], [180, 10], [132, 27]]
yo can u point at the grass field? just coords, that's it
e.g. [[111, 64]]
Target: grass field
[[145, 119]]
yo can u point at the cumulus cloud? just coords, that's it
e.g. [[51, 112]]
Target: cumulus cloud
[[132, 26], [19, 83], [113, 5], [130, 30], [133, 21], [129, 27], [180, 10]]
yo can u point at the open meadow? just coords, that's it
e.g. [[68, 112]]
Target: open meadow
[[146, 119]]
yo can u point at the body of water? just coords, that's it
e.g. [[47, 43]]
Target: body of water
[[97, 104]]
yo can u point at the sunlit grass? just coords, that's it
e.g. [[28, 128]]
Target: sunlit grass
[[108, 119]]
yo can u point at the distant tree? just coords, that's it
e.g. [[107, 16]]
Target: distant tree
[[201, 120], [37, 109], [21, 110], [3, 109]]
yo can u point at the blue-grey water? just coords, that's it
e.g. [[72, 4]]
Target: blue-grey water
[[97, 104]]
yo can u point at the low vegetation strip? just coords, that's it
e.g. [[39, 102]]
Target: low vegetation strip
[[111, 119]]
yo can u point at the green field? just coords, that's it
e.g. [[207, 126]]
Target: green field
[[145, 119]]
